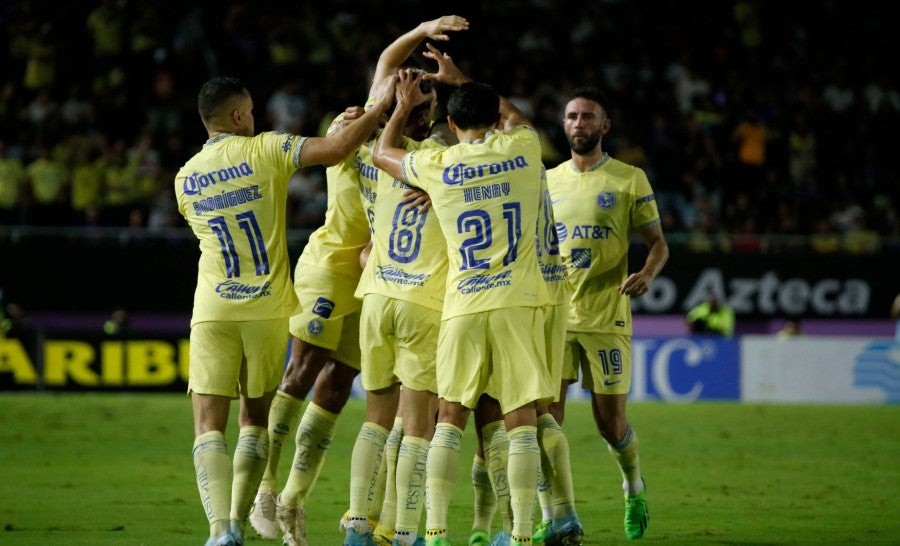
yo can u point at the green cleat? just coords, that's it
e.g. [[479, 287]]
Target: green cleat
[[437, 541], [541, 533], [561, 532], [479, 538], [637, 516]]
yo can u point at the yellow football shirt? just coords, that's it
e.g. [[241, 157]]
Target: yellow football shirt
[[232, 194], [487, 197], [597, 212], [547, 243], [337, 243], [409, 254]]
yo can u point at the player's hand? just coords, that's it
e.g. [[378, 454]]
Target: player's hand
[[351, 114], [637, 284], [409, 92], [435, 29], [416, 198], [447, 72]]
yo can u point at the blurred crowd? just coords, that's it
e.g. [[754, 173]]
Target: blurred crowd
[[756, 121]]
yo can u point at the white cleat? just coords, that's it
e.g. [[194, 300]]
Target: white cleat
[[262, 516]]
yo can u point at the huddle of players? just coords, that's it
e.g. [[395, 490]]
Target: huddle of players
[[489, 288], [492, 329]]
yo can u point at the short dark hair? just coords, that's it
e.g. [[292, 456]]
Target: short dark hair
[[216, 92], [592, 94], [474, 105]]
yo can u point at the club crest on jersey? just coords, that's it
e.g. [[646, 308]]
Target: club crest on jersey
[[323, 307], [606, 200], [315, 327]]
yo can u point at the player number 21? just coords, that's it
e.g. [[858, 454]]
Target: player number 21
[[478, 222]]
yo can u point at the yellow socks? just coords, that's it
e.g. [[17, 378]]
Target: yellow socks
[[283, 415], [485, 498], [313, 440], [387, 500], [524, 462], [411, 461], [556, 468], [250, 457], [496, 457], [213, 468], [441, 470], [364, 466], [626, 455]]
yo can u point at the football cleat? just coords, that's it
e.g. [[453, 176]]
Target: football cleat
[[262, 514], [637, 516]]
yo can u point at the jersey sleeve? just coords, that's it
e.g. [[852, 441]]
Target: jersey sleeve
[[646, 212]]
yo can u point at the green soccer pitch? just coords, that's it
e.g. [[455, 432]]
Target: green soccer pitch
[[96, 469]]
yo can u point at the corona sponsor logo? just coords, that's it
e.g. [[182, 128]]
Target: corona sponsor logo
[[196, 182], [456, 174]]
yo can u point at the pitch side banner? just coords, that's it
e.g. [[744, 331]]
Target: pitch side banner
[[94, 363], [764, 286], [820, 370], [814, 369], [679, 369]]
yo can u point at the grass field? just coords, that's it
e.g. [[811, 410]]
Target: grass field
[[96, 469]]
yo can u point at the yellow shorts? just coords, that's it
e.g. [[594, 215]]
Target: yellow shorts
[[504, 347], [230, 358], [604, 361], [556, 319], [329, 312], [399, 343]]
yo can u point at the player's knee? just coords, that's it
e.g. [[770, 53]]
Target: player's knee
[[302, 371]]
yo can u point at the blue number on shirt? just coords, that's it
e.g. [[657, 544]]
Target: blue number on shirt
[[610, 361], [551, 237], [370, 214], [479, 223], [247, 222], [406, 234], [512, 212]]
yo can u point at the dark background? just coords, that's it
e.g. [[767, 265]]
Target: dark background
[[820, 69]]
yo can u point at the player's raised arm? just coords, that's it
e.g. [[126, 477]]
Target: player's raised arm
[[331, 149], [447, 73], [450, 74], [395, 54]]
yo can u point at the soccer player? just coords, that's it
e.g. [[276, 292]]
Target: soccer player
[[325, 352], [559, 521], [402, 290], [232, 193], [489, 477], [599, 203], [486, 191]]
